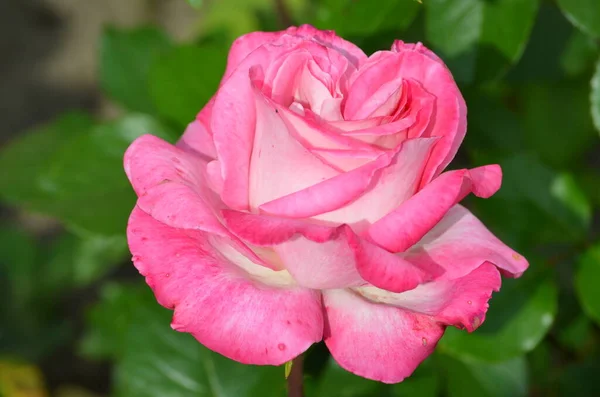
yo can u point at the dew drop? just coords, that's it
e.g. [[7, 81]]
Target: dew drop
[[281, 346], [424, 340], [469, 303]]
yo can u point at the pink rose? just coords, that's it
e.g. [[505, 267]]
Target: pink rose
[[307, 202]]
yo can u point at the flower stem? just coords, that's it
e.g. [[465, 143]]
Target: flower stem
[[296, 378]]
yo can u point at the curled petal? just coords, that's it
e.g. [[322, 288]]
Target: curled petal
[[460, 243], [407, 224], [220, 298], [386, 270]]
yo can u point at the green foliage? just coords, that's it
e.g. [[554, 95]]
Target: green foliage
[[484, 36], [76, 170], [587, 282], [585, 14], [479, 379], [595, 96], [183, 80], [125, 59], [154, 360], [359, 18]]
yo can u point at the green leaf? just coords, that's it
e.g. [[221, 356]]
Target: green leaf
[[85, 184], [17, 263], [196, 3], [579, 379], [481, 379], [540, 60], [27, 157], [580, 54], [76, 261], [184, 79], [154, 360], [454, 26], [595, 97], [577, 335], [364, 17], [586, 282], [584, 14], [565, 189], [125, 59], [559, 131], [517, 320], [558, 197], [492, 34], [507, 25], [335, 381]]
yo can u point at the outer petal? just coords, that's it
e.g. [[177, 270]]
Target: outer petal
[[376, 341], [329, 39], [450, 123], [171, 185], [460, 243], [245, 45], [462, 302], [317, 256], [232, 124], [403, 227], [217, 301], [196, 137]]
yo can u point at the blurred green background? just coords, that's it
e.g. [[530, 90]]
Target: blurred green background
[[81, 79]]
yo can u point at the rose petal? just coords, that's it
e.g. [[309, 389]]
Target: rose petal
[[376, 341], [329, 39], [226, 309], [245, 45], [386, 270], [461, 302], [394, 184], [276, 156], [196, 137], [450, 123], [317, 256], [460, 243], [407, 224], [328, 195], [171, 185]]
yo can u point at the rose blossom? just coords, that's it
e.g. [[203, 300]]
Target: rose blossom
[[307, 202]]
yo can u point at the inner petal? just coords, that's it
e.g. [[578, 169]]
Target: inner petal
[[263, 274]]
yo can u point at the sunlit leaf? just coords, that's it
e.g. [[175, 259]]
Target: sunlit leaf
[[585, 14]]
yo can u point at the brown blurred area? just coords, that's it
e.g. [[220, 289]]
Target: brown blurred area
[[49, 51]]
